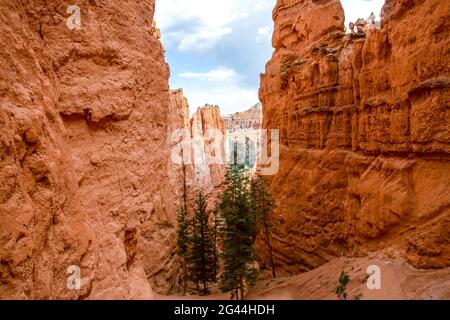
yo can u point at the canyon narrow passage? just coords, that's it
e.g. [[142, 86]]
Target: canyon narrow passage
[[346, 155]]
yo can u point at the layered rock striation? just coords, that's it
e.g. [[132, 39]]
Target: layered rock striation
[[365, 135]]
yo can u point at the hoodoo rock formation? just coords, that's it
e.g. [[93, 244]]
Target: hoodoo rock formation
[[365, 134], [85, 172], [209, 162], [250, 119]]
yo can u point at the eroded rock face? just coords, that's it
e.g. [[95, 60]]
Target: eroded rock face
[[162, 267], [208, 168], [86, 177], [250, 119], [365, 135]]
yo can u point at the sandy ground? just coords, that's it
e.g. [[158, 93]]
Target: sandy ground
[[398, 281]]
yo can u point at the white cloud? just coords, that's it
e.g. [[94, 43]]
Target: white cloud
[[212, 13], [202, 40], [221, 86], [197, 24], [220, 74], [231, 99], [264, 5], [264, 35], [192, 32]]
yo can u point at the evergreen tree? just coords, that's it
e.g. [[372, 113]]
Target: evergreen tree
[[264, 206], [238, 232], [183, 242], [202, 254], [216, 231]]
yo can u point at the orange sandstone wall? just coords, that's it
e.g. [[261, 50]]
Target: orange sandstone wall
[[205, 175], [365, 134], [85, 172]]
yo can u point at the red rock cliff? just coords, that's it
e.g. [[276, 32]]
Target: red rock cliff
[[365, 134], [85, 172], [207, 129]]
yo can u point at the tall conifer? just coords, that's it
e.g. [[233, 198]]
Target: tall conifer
[[238, 232], [202, 254], [264, 206]]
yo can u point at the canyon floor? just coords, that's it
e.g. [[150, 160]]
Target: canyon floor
[[399, 281]]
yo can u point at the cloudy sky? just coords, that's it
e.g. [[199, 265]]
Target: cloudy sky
[[217, 48]]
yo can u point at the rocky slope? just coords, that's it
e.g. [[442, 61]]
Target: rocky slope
[[365, 135], [85, 171], [399, 281]]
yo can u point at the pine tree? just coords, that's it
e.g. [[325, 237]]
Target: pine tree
[[238, 232], [183, 243], [216, 231], [202, 254], [264, 206]]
